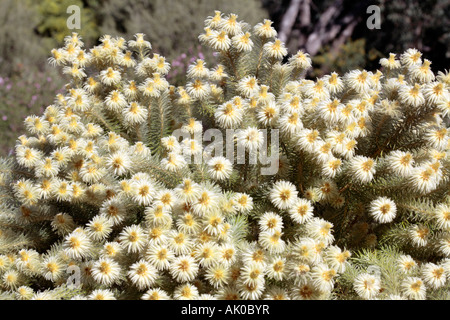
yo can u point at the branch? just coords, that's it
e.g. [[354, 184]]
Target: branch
[[316, 38], [305, 15], [330, 25], [288, 20], [344, 36]]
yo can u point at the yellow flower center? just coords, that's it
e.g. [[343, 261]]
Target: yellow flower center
[[385, 208], [141, 270], [52, 267], [105, 268], [133, 236], [367, 165]]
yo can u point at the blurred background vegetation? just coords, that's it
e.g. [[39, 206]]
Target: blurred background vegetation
[[334, 32]]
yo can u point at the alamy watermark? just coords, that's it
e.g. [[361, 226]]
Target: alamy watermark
[[74, 20], [264, 155], [74, 280], [374, 270], [374, 20]]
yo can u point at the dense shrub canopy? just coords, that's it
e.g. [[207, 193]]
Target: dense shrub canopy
[[358, 207]]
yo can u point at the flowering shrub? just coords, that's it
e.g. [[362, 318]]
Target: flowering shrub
[[180, 64], [358, 207]]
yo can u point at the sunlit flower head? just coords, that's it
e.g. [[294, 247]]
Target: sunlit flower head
[[363, 168], [220, 168], [301, 210], [283, 194], [142, 274], [434, 275], [367, 286], [414, 288], [133, 238], [183, 268], [383, 209], [265, 29], [155, 294], [106, 271]]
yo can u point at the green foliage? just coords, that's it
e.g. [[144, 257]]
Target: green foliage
[[53, 22], [384, 263]]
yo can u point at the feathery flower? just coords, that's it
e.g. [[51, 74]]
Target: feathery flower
[[242, 202], [251, 139], [422, 72], [133, 238], [442, 216], [198, 70], [301, 60], [419, 235], [159, 256], [301, 210], [320, 229], [134, 114], [363, 168], [242, 42], [367, 286], [390, 63], [143, 191], [101, 294], [230, 25], [186, 292], [110, 76], [218, 275], [434, 275], [283, 194], [219, 40], [77, 245], [220, 168], [272, 241], [142, 274], [414, 288], [411, 57], [139, 43], [119, 162], [228, 115], [155, 294], [99, 227], [275, 50], [183, 268], [400, 162], [383, 209], [271, 222], [337, 259], [323, 277], [265, 29], [179, 242], [106, 271]]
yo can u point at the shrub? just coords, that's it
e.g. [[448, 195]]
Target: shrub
[[179, 31], [357, 207]]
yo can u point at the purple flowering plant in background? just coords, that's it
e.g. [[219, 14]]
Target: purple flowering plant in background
[[21, 95]]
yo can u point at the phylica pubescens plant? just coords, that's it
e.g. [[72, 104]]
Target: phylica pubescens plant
[[103, 187]]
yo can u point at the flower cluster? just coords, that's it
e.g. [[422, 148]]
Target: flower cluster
[[102, 184]]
